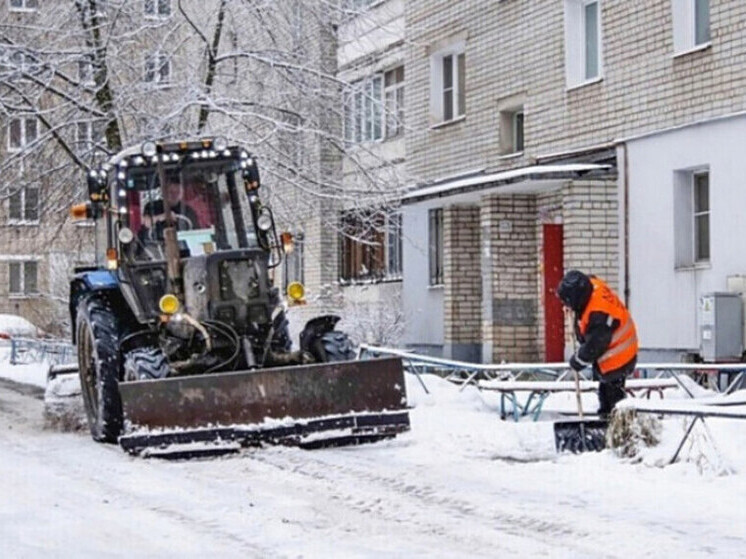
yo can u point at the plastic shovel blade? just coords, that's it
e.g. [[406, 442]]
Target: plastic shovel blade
[[580, 435]]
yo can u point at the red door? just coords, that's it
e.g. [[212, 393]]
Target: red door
[[554, 323]]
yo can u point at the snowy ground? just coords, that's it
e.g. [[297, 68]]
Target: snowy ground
[[462, 483]]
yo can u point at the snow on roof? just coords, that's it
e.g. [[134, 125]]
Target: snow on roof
[[534, 172], [14, 325]]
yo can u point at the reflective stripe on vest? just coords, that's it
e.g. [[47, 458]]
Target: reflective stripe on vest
[[623, 346]]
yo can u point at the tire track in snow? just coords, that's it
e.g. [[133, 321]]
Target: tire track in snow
[[422, 507]]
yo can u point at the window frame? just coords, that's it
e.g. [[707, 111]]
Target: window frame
[[366, 239], [22, 267], [159, 60], [24, 7], [576, 43], [394, 114], [435, 247], [23, 133], [698, 258], [22, 195], [156, 12], [685, 27], [439, 89]]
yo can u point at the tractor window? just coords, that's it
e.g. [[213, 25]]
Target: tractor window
[[205, 206]]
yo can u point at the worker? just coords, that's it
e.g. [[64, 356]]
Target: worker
[[606, 333], [154, 214]]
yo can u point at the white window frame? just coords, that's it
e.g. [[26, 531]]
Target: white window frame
[[684, 17], [394, 246], [85, 71], [509, 117], [435, 227], [686, 226], [22, 263], [24, 132], [438, 87], [160, 61], [24, 218], [152, 9], [393, 100], [364, 118], [576, 50], [24, 7]]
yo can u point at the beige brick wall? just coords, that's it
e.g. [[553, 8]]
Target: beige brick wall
[[517, 48], [462, 296]]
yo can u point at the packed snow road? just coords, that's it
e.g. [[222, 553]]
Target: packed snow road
[[461, 484]]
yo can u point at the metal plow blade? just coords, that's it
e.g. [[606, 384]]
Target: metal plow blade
[[310, 406], [580, 435]]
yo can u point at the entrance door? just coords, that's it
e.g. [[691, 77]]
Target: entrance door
[[554, 322]]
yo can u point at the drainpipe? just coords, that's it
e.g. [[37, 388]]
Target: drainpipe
[[625, 248]]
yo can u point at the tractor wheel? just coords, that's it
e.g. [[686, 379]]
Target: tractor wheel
[[281, 337], [145, 363], [337, 346], [97, 334]]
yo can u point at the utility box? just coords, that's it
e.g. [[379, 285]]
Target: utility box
[[737, 284], [721, 327]]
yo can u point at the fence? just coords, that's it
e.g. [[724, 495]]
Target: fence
[[24, 351]]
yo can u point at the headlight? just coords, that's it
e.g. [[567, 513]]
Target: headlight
[[126, 236], [149, 149], [219, 143], [169, 304], [296, 291], [264, 221]]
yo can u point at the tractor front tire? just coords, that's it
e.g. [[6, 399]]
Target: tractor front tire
[[97, 335], [145, 363]]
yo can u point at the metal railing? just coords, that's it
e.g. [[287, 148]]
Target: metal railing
[[465, 373], [25, 351]]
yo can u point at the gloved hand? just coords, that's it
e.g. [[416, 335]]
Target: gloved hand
[[576, 364]]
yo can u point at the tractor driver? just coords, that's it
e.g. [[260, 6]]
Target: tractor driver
[[154, 215]]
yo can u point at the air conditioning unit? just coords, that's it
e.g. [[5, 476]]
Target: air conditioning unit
[[737, 284]]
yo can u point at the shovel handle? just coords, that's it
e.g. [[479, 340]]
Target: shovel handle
[[577, 393]]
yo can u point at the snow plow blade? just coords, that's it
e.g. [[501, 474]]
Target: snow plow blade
[[328, 404]]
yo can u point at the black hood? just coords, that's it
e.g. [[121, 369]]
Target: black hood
[[574, 290]]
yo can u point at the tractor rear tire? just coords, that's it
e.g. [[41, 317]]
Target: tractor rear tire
[[337, 347], [97, 335], [145, 363], [281, 333]]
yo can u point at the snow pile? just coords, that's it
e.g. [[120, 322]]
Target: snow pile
[[16, 326]]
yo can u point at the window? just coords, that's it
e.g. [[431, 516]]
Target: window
[[701, 183], [691, 25], [691, 218], [364, 110], [18, 60], [23, 278], [22, 131], [85, 71], [511, 130], [583, 41], [393, 93], [157, 68], [370, 246], [87, 135], [448, 94], [435, 246], [23, 5], [157, 8], [23, 205], [294, 262]]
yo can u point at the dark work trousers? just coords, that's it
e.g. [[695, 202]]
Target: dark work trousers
[[611, 386]]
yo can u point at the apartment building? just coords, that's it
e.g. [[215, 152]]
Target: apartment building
[[549, 135]]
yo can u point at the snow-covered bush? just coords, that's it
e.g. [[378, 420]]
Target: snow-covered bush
[[628, 431]]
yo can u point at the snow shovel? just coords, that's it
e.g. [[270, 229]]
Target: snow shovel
[[580, 435]]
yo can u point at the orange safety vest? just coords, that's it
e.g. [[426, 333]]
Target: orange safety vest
[[623, 346]]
